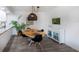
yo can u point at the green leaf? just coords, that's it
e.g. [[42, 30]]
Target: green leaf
[[18, 26]]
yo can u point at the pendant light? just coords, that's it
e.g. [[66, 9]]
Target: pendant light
[[32, 16]]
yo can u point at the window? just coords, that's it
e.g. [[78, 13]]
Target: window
[[2, 17]]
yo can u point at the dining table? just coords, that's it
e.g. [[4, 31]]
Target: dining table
[[32, 32]]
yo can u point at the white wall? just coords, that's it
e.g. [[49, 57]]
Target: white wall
[[43, 21], [72, 29], [70, 22], [4, 38]]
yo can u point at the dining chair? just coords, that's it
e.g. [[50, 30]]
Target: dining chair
[[36, 39]]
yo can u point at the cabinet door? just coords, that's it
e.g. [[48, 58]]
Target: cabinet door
[[56, 36], [49, 33]]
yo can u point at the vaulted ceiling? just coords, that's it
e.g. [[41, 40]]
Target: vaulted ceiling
[[20, 9], [26, 9]]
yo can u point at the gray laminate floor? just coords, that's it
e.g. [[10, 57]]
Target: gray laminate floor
[[20, 44]]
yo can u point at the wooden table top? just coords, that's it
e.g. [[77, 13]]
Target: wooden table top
[[31, 33]]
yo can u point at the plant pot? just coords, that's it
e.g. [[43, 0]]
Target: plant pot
[[19, 33]]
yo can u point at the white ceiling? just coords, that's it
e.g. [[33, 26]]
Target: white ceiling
[[17, 9]]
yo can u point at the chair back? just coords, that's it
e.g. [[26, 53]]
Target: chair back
[[37, 38]]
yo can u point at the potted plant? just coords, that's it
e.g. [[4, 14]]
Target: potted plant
[[18, 27]]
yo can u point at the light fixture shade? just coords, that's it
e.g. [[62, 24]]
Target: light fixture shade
[[32, 17]]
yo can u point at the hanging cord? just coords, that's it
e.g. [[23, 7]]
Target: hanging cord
[[33, 9]]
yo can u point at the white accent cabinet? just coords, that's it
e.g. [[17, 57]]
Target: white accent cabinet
[[56, 34]]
